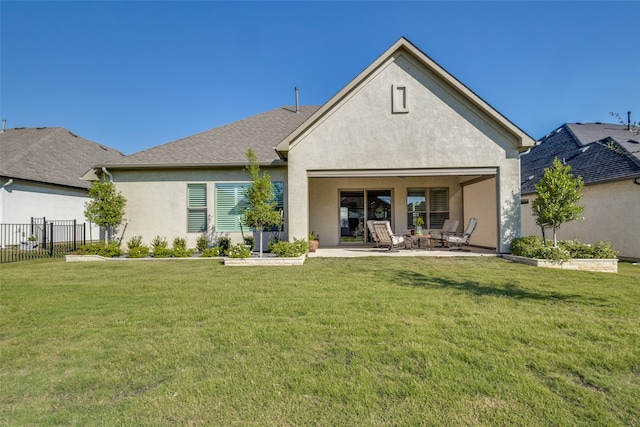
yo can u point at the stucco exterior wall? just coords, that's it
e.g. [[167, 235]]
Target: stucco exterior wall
[[439, 130], [479, 202], [610, 215], [157, 199]]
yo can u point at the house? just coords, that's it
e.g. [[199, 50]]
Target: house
[[607, 157], [41, 173], [403, 139]]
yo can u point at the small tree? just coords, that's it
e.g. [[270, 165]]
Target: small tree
[[261, 201], [106, 209], [558, 192]]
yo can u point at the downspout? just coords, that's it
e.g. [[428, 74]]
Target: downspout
[[110, 231], [104, 169]]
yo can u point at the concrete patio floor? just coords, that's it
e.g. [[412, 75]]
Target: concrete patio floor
[[368, 250]]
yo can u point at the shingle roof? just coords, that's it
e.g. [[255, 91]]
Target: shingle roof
[[225, 145], [597, 152], [50, 155]]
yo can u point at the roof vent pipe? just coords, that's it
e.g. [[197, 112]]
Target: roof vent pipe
[[297, 104], [628, 121], [4, 122]]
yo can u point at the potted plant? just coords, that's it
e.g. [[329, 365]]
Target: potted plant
[[419, 224], [314, 241]]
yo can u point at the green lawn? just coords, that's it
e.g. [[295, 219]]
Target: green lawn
[[336, 342]]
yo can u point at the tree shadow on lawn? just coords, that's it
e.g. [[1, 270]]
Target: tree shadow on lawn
[[509, 289]]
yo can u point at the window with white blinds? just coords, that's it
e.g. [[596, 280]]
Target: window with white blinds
[[231, 202], [438, 207], [196, 208]]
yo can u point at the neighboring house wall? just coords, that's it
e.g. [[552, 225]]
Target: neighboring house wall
[[157, 200], [441, 130], [20, 201], [610, 215]]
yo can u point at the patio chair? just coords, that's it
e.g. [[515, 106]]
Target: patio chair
[[386, 237], [462, 240], [449, 227], [372, 232]]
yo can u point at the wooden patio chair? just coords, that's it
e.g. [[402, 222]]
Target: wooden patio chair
[[386, 237], [372, 232]]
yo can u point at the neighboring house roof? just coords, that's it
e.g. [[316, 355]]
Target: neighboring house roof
[[50, 155], [225, 145], [598, 152], [405, 46]]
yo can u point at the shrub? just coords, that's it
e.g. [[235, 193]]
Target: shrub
[[179, 243], [211, 252], [249, 241], [180, 248], [274, 240], [160, 247], [134, 242], [224, 242], [139, 252], [202, 243], [289, 249], [111, 250], [533, 247], [239, 250]]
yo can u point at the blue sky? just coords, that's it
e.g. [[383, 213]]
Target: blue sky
[[136, 74]]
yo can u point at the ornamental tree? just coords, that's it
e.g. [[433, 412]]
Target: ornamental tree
[[261, 209], [558, 192], [106, 208]]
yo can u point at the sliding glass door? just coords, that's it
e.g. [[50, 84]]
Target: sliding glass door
[[351, 216], [353, 213]]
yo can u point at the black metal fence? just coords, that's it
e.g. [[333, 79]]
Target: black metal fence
[[41, 238]]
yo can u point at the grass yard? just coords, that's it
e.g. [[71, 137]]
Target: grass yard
[[336, 342]]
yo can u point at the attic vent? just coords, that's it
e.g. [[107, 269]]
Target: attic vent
[[399, 99], [104, 148], [633, 141], [72, 134]]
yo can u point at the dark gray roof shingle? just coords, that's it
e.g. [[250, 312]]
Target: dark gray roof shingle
[[50, 155], [227, 144], [597, 152]]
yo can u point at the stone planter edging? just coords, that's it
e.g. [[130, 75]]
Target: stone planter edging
[[265, 261], [253, 261], [599, 265]]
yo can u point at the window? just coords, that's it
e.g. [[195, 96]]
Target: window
[[196, 208], [416, 206], [433, 213], [231, 202], [438, 207]]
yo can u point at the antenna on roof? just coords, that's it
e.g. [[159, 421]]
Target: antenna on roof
[[297, 105]]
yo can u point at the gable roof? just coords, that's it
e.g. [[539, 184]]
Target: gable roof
[[598, 152], [225, 145], [404, 45], [51, 155]]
